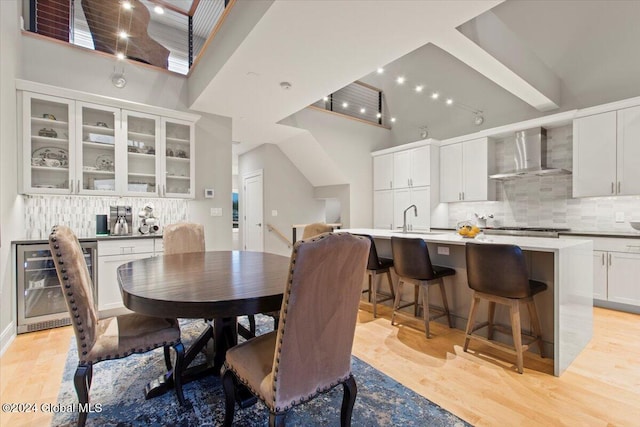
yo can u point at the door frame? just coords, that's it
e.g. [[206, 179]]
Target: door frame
[[245, 177]]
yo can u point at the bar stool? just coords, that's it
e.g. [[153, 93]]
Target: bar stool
[[498, 274], [376, 267], [413, 265]]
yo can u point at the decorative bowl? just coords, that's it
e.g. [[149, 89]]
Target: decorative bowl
[[635, 225]]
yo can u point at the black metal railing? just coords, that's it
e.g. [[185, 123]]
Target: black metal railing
[[151, 31], [358, 100]]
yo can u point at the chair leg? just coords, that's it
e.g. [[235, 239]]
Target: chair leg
[[425, 308], [81, 382], [276, 419], [514, 310], [90, 376], [167, 358], [177, 371], [348, 400], [492, 312], [396, 302], [370, 276], [416, 300], [373, 292], [475, 302], [229, 385], [252, 324], [445, 304], [393, 294], [535, 323]]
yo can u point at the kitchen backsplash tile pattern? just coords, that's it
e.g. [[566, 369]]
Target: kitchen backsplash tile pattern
[[79, 212], [547, 201]]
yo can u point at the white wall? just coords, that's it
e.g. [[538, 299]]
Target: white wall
[[349, 143], [285, 190], [11, 206]]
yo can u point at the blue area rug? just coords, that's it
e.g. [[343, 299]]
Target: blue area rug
[[119, 385]]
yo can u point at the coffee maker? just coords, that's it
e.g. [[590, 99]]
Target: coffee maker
[[120, 220]]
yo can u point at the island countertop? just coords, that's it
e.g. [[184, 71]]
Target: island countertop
[[541, 244]]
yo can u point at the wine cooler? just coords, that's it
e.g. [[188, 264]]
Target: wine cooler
[[41, 303]]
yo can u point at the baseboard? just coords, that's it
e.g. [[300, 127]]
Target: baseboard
[[7, 337]]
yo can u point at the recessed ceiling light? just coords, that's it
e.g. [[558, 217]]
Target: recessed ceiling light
[[126, 5], [449, 101], [363, 110], [419, 88], [379, 115], [435, 95], [393, 119], [345, 104], [123, 34], [400, 80], [159, 10], [380, 70], [120, 55], [325, 99]]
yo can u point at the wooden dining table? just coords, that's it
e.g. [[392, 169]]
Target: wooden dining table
[[216, 285]]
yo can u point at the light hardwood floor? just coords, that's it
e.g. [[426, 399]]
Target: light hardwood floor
[[601, 388]]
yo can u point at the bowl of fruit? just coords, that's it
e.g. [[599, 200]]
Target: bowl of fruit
[[467, 230]]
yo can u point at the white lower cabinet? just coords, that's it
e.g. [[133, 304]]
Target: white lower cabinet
[[111, 255], [616, 268], [419, 196], [383, 209]]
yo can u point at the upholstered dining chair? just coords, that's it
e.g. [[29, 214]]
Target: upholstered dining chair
[[111, 338], [315, 229], [498, 273], [310, 352]]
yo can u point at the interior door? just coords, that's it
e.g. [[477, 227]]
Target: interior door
[[253, 212]]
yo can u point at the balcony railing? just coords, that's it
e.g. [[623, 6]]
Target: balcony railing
[[169, 34], [358, 100]]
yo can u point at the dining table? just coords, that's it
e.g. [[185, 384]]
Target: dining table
[[217, 286]]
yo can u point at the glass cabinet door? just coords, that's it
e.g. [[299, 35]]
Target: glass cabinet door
[[97, 161], [178, 158], [48, 148], [142, 131]]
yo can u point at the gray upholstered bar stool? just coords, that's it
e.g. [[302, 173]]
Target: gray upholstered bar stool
[[498, 274], [412, 264], [376, 267]]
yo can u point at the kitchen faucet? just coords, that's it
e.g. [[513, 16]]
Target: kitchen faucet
[[404, 222]]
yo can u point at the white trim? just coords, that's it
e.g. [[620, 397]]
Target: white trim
[[617, 105], [7, 337], [77, 95], [407, 146]]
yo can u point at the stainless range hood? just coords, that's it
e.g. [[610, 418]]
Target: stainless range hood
[[530, 156]]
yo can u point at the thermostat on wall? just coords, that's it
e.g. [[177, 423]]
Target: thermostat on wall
[[208, 193]]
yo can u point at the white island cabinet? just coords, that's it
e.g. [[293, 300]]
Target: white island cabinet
[[565, 308]]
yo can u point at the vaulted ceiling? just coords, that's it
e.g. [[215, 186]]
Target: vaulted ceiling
[[512, 60]]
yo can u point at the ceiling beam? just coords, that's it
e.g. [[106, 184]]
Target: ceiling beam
[[467, 51]]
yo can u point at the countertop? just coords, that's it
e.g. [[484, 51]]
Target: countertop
[[544, 244], [90, 238], [632, 234]]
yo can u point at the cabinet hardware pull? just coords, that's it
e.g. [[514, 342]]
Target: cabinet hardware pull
[[78, 187], [463, 195], [618, 187], [603, 258], [612, 188], [609, 259], [71, 186], [390, 184]]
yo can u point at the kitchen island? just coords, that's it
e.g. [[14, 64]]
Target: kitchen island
[[566, 266]]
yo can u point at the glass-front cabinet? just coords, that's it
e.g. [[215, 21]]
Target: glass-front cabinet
[[178, 164], [76, 147], [98, 128], [48, 150], [143, 141]]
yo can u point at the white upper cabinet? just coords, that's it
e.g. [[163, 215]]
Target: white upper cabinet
[[76, 147], [594, 155], [606, 154], [179, 174], [97, 128], [411, 168], [383, 172], [629, 151], [48, 152], [464, 171]]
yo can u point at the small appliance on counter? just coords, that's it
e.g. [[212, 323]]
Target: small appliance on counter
[[148, 221], [120, 220]]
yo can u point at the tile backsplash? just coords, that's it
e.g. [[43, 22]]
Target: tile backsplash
[[79, 212], [547, 201]]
